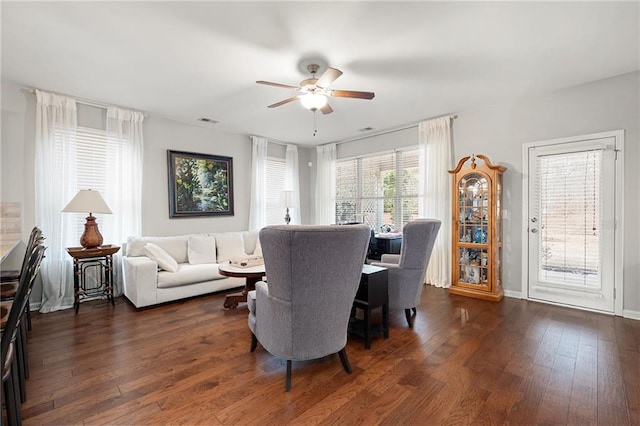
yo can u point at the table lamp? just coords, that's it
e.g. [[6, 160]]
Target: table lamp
[[89, 201], [287, 200]]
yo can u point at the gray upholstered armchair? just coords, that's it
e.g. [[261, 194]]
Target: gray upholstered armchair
[[313, 274], [407, 270]]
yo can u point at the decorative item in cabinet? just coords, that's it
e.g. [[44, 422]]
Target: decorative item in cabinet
[[477, 229]]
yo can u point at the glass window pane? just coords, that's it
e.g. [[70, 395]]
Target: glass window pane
[[368, 189], [569, 202], [275, 169]]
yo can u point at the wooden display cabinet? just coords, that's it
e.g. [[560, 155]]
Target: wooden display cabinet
[[476, 260]]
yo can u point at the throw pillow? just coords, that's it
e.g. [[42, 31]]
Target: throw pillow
[[229, 245], [135, 246], [161, 257], [258, 250], [202, 249]]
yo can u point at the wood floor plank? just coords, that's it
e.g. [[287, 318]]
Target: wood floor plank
[[610, 381], [466, 361], [533, 386], [583, 405], [554, 406], [611, 415], [630, 366]]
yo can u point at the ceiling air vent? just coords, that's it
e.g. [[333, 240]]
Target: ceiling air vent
[[207, 120]]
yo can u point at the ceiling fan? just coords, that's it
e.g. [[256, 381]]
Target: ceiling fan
[[314, 91]]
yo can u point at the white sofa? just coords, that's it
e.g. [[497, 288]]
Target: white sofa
[[148, 278]]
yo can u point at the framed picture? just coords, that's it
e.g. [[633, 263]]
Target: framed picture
[[200, 184], [473, 274]]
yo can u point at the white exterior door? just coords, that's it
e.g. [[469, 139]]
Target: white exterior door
[[571, 220]]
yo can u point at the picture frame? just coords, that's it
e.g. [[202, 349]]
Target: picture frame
[[199, 184], [472, 273]]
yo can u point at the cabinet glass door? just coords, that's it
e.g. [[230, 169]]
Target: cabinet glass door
[[474, 209], [473, 236], [473, 264]]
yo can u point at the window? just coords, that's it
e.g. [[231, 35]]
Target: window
[[93, 156], [95, 153], [378, 189], [275, 184], [570, 206]]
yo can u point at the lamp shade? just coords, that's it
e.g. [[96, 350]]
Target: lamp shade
[[313, 101], [87, 201]]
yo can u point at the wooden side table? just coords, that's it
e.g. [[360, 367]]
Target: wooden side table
[[373, 293], [100, 258], [251, 274]]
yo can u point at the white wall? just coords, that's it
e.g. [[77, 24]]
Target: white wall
[[378, 143], [17, 153], [162, 134], [17, 160], [499, 131]]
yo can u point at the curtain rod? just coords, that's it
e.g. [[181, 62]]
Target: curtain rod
[[395, 129], [84, 101]]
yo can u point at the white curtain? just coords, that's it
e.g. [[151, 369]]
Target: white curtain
[[292, 181], [258, 207], [55, 185], [116, 164], [435, 142], [123, 194], [325, 213]]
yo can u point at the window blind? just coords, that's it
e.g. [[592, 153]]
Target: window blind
[[92, 156], [275, 170], [378, 189], [569, 206]]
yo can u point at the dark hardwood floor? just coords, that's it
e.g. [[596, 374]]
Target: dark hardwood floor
[[466, 362]]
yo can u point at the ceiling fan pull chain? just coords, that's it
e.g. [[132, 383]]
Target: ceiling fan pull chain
[[315, 126]]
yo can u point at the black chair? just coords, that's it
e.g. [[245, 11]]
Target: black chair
[[14, 275], [8, 300], [8, 343], [9, 279]]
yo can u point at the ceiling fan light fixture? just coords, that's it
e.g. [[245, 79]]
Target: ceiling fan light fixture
[[313, 101]]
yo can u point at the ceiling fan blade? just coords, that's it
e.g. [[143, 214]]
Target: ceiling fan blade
[[286, 101], [326, 109], [284, 86], [351, 94], [328, 77]]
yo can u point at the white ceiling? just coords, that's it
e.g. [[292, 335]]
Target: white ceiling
[[422, 59]]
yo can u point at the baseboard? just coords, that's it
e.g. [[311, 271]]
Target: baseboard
[[35, 306], [628, 313], [513, 294]]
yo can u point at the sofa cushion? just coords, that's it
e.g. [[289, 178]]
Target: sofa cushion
[[250, 239], [201, 249], [189, 274], [229, 245], [161, 257], [258, 250], [175, 246]]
